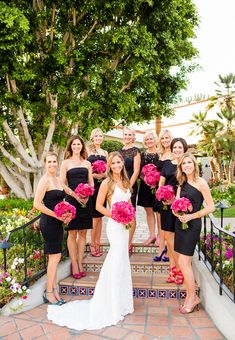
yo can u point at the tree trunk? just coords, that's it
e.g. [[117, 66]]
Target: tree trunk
[[231, 171]]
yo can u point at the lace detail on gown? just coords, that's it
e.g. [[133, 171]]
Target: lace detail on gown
[[113, 298]]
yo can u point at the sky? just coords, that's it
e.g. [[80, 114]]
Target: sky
[[216, 45]]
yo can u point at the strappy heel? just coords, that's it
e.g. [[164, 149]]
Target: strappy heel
[[61, 300], [98, 251], [171, 277], [93, 251], [186, 310], [179, 279], [45, 299], [162, 256], [150, 240], [74, 275]]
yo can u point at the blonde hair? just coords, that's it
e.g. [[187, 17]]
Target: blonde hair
[[124, 178], [160, 148], [68, 150], [180, 175], [149, 133], [50, 153], [91, 145], [130, 128]]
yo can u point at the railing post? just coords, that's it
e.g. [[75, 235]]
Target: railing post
[[234, 269], [4, 245], [212, 248], [220, 263], [25, 257]]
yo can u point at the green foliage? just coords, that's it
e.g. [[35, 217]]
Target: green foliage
[[13, 203], [225, 194], [111, 145]]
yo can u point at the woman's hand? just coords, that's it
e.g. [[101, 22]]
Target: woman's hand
[[185, 218], [169, 202]]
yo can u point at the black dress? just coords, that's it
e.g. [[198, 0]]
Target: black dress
[[92, 159], [186, 239], [83, 219], [145, 196], [128, 156], [157, 204], [167, 218], [51, 228]]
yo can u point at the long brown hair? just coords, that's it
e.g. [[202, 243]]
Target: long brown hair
[[68, 150], [181, 176], [124, 177]]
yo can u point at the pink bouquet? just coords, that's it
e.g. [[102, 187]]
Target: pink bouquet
[[84, 190], [151, 179], [148, 168], [123, 212], [182, 206], [165, 193], [65, 210], [99, 167]]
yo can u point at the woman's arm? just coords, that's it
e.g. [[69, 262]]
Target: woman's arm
[[102, 194], [90, 176], [136, 168], [162, 181], [209, 203], [40, 193]]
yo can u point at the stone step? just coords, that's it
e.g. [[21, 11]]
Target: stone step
[[145, 285], [137, 248], [140, 263]]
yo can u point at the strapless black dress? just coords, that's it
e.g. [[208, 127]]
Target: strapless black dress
[[167, 218], [186, 239], [128, 156], [92, 159], [83, 219], [51, 228]]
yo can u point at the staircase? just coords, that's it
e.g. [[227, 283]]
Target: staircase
[[148, 276]]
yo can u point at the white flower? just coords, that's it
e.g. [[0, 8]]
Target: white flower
[[20, 291], [24, 287], [14, 290], [13, 281], [21, 260], [8, 279], [28, 291], [13, 266]]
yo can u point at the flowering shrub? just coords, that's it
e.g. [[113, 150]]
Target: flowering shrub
[[227, 255]]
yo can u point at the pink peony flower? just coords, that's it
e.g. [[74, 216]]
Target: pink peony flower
[[65, 210], [123, 212], [152, 178], [182, 206], [99, 167], [165, 193], [148, 168], [84, 190]]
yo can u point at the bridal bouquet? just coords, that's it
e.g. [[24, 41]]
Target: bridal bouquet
[[65, 210], [148, 168], [151, 176], [99, 167], [84, 190], [182, 206], [165, 193], [123, 212]]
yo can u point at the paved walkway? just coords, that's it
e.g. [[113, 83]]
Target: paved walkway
[[152, 319]]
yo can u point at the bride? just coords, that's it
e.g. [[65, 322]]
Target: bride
[[112, 298]]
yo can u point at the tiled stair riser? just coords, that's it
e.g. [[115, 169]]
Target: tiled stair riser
[[136, 268], [136, 249]]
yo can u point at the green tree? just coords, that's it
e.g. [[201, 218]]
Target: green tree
[[69, 66], [218, 135]]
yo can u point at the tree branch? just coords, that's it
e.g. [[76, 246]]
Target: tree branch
[[15, 161], [87, 35], [16, 143], [11, 182], [127, 86], [27, 135], [52, 26]]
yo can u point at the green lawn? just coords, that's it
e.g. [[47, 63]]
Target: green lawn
[[230, 212]]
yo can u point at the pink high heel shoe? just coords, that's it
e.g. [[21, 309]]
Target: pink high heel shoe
[[74, 275], [150, 240]]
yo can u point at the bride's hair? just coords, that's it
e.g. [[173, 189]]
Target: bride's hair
[[123, 174]]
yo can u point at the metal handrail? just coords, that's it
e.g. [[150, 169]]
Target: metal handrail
[[210, 261]]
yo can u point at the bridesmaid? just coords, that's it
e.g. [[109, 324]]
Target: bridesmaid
[[131, 156], [196, 190], [168, 177], [164, 152], [74, 170], [49, 192], [96, 153], [146, 198]]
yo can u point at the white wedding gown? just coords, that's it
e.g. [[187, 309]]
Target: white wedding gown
[[113, 297]]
